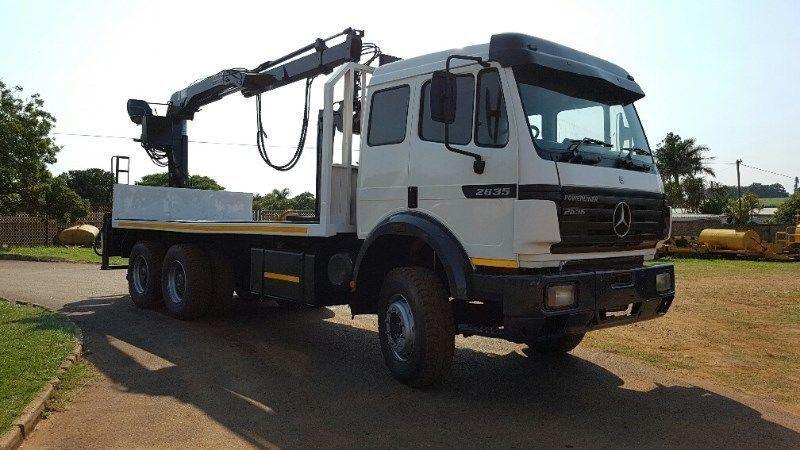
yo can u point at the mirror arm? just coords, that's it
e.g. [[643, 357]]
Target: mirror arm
[[479, 165]]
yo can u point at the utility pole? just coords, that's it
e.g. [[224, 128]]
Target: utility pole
[[739, 181]]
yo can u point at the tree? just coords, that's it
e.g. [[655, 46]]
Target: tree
[[63, 203], [674, 194], [796, 185], [280, 200], [677, 158], [741, 211], [94, 185], [775, 190], [788, 210], [305, 201], [25, 150], [195, 181], [277, 200], [694, 190], [204, 183], [717, 199]]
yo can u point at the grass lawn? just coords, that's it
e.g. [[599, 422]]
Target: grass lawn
[[33, 344], [773, 202], [736, 323], [62, 253]]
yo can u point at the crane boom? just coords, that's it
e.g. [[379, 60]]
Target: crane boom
[[164, 137]]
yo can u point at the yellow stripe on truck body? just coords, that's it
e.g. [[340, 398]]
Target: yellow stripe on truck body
[[492, 262], [281, 277], [204, 227]]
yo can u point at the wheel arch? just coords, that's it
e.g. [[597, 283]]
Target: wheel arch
[[386, 248]]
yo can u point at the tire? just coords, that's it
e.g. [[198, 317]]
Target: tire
[[555, 347], [144, 274], [423, 356], [185, 284], [223, 284]]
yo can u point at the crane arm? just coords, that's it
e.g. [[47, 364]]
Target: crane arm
[[164, 136]]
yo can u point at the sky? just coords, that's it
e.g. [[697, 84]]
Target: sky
[[723, 72]]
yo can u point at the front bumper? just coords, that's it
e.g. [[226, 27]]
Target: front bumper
[[604, 298]]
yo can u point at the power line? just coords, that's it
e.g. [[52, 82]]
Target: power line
[[749, 166], [230, 144], [768, 171], [102, 136]]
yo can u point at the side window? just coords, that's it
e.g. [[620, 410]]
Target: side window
[[461, 130], [388, 114], [491, 119]]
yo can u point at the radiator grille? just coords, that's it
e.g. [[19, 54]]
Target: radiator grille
[[586, 216]]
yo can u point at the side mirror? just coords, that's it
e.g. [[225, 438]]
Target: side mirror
[[443, 97], [138, 109]]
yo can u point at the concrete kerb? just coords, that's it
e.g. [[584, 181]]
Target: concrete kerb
[[24, 425], [16, 257]]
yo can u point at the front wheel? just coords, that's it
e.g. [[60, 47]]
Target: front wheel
[[555, 347], [415, 324]]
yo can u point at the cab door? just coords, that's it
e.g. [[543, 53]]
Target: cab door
[[384, 157], [477, 208]]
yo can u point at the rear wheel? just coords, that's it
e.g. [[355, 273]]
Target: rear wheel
[[144, 273], [185, 284], [555, 347], [415, 324]]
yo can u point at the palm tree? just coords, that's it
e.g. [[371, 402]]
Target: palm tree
[[676, 158]]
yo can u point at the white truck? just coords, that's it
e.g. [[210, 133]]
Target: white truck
[[505, 189]]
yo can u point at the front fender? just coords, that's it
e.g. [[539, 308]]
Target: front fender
[[454, 259]]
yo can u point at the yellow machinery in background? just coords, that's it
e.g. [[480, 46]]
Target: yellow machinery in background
[[791, 237], [735, 243]]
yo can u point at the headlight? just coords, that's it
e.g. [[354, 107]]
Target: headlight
[[663, 282], [560, 296]]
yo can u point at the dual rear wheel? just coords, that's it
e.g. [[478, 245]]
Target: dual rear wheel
[[187, 279]]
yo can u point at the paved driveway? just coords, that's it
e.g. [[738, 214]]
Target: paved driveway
[[263, 376]]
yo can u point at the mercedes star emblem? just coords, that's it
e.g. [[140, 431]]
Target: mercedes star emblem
[[621, 221]]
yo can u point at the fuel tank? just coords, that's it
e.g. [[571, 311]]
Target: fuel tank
[[720, 239]]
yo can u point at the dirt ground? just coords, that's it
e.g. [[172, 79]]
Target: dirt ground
[[263, 376], [735, 323]]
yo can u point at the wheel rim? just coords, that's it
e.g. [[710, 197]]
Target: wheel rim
[[399, 326], [176, 282], [141, 273]]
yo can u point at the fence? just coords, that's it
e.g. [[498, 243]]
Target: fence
[[266, 215], [24, 229]]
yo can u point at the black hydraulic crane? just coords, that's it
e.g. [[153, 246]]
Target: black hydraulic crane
[[164, 137]]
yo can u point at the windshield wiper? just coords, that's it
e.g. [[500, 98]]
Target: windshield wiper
[[629, 163], [632, 150], [576, 146]]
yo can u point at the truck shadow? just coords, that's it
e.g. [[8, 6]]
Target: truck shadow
[[300, 378]]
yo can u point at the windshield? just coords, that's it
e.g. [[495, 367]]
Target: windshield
[[572, 129]]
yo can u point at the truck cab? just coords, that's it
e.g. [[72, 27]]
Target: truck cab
[[505, 190], [569, 205], [559, 158]]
